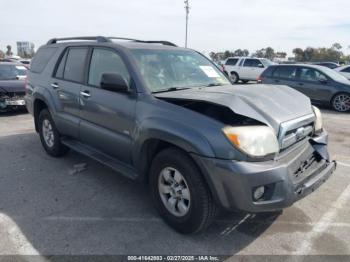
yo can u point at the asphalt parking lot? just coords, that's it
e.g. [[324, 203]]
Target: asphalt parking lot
[[46, 208]]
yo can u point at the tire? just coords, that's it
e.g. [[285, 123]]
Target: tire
[[49, 136], [341, 102], [201, 209], [234, 77]]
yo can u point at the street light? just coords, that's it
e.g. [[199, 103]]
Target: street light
[[187, 8]]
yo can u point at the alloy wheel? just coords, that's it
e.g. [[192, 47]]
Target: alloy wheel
[[174, 191]]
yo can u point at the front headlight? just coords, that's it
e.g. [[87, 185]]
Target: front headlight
[[318, 122], [256, 141]]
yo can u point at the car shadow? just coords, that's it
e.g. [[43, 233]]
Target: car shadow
[[13, 112], [55, 209]]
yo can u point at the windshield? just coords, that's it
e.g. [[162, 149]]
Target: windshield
[[267, 62], [165, 69], [12, 72], [336, 76]]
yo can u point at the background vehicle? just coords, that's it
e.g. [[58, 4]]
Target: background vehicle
[[321, 84], [132, 105], [330, 65], [12, 85], [344, 70], [245, 68]]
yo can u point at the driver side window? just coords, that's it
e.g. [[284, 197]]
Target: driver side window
[[310, 74]]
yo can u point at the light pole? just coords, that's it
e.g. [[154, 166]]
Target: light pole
[[187, 8]]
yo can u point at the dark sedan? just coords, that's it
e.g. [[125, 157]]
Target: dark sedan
[[321, 84], [12, 85]]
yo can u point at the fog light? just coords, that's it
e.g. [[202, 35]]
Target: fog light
[[258, 193]]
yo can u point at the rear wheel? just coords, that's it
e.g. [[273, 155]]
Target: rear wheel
[[341, 102], [49, 136], [180, 193], [234, 77]]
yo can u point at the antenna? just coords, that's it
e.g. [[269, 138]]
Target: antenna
[[187, 8]]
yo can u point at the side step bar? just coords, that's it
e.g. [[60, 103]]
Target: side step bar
[[101, 157]]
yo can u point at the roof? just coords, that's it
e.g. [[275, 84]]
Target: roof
[[11, 63], [302, 65]]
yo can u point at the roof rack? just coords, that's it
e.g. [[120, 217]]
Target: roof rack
[[103, 39], [92, 38]]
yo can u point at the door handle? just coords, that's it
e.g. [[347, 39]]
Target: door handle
[[54, 85], [301, 84], [85, 94]]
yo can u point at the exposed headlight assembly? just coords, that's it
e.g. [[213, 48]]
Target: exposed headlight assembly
[[319, 121], [256, 141]]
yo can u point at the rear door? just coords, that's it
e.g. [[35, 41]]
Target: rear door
[[284, 75], [107, 118], [65, 85]]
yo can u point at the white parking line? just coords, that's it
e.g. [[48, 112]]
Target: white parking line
[[16, 239], [324, 223], [343, 164]]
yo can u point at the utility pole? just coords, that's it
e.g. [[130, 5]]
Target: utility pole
[[187, 8]]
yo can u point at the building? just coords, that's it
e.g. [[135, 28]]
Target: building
[[25, 49]]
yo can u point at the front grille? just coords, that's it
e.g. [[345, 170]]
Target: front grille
[[293, 131]]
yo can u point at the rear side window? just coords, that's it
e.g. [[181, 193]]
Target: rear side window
[[288, 72], [42, 58], [72, 64], [231, 61]]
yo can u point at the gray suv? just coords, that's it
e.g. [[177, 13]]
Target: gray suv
[[169, 117]]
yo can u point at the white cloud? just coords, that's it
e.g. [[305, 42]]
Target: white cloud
[[214, 25]]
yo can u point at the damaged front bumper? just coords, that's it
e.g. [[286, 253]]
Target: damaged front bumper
[[11, 101], [293, 175]]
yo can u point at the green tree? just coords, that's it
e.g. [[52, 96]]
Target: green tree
[[9, 50], [299, 54]]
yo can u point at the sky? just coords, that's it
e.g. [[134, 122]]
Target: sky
[[214, 25]]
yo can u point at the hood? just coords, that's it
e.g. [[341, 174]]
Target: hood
[[11, 86], [269, 104]]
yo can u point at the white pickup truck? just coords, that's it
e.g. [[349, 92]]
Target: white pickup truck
[[245, 68]]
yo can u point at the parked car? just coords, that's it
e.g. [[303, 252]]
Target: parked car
[[344, 70], [166, 115], [12, 85], [245, 68], [323, 85], [330, 65]]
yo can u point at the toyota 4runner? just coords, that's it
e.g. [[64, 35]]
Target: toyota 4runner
[[166, 115]]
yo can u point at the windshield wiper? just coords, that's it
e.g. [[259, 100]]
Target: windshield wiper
[[170, 89]]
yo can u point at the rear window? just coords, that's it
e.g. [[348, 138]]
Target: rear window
[[285, 72], [41, 58], [232, 61]]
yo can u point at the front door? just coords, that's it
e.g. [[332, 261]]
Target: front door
[[107, 118]]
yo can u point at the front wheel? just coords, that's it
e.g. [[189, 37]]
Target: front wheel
[[180, 193], [341, 102]]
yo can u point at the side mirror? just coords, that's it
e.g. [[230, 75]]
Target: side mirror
[[114, 82], [260, 65], [323, 81]]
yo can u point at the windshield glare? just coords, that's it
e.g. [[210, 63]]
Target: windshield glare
[[164, 69]]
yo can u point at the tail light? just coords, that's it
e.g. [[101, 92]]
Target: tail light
[[222, 68], [259, 79], [26, 81]]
